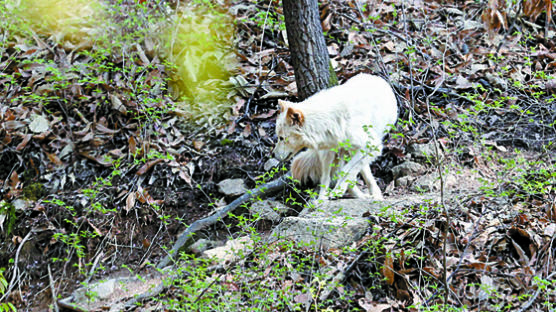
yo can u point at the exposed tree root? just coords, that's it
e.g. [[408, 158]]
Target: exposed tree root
[[262, 191]]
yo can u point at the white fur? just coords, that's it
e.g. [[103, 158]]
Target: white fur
[[335, 116]]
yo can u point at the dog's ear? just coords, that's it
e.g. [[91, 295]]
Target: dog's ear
[[283, 105], [295, 116]]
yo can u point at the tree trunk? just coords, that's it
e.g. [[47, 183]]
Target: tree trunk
[[311, 64]]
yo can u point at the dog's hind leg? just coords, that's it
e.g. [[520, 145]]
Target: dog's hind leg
[[374, 190], [348, 180]]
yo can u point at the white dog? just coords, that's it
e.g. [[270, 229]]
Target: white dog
[[350, 119]]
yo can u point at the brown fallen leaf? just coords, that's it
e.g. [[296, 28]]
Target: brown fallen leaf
[[7, 139], [146, 167], [265, 115], [494, 16], [185, 176], [132, 145], [246, 131], [101, 128], [101, 160], [146, 243], [54, 159], [388, 269], [23, 143], [534, 8], [198, 145], [130, 201], [144, 197]]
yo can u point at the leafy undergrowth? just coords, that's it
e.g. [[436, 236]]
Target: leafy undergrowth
[[98, 171]]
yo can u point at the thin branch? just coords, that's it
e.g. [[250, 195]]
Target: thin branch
[[16, 269], [52, 289], [526, 306]]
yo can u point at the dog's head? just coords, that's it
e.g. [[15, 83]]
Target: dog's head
[[289, 125]]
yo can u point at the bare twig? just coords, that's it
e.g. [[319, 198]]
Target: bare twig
[[526, 306], [52, 289], [438, 165], [16, 269]]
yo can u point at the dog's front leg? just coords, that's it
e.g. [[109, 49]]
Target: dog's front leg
[[325, 160]]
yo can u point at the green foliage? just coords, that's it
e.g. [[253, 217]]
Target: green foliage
[[76, 237], [8, 211], [198, 43], [73, 23], [5, 306], [269, 19]]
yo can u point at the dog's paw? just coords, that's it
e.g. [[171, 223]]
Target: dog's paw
[[366, 196]]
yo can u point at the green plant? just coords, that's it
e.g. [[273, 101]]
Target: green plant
[[197, 42], [5, 306], [7, 211]]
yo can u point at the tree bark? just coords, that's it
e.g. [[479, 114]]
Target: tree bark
[[311, 64]]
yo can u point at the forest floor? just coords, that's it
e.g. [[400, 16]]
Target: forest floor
[[99, 173]]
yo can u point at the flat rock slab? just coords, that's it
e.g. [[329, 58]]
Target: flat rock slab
[[269, 209], [360, 207], [326, 232], [338, 223], [109, 294], [234, 250]]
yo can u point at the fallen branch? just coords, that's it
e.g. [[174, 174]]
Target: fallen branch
[[264, 190]]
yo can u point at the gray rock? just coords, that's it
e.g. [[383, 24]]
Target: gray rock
[[353, 207], [404, 181], [408, 168], [269, 209], [232, 187], [497, 81], [39, 124], [337, 223], [20, 204], [423, 152], [326, 232], [551, 86], [431, 182], [234, 250], [100, 290], [271, 163], [111, 292], [201, 245]]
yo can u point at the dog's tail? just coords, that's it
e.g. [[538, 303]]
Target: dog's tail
[[306, 167]]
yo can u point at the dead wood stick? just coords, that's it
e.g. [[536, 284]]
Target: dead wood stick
[[264, 190]]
